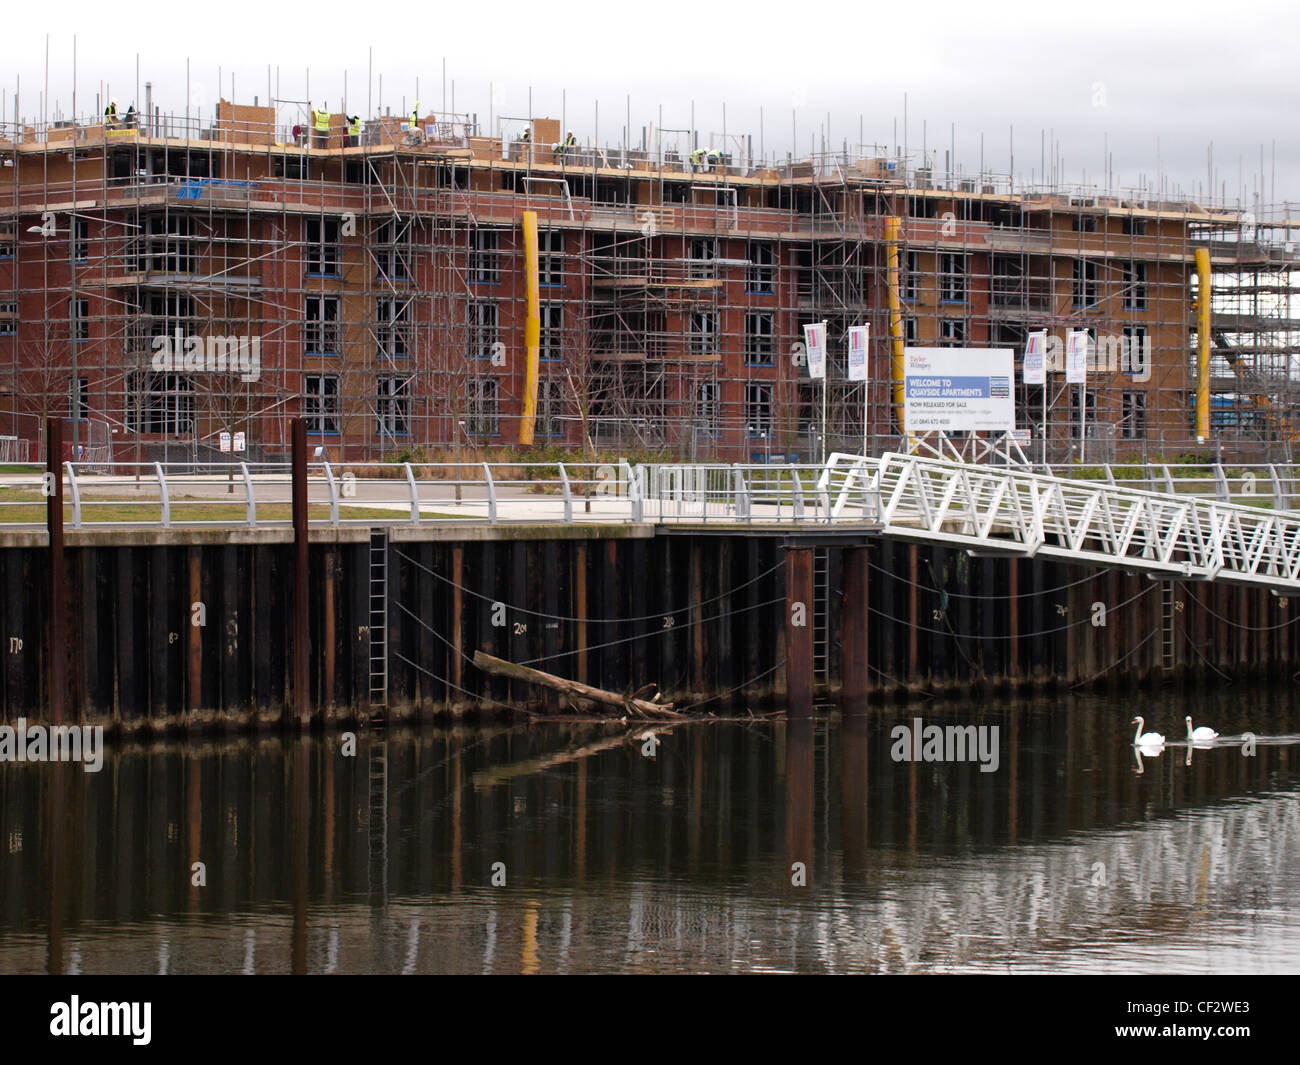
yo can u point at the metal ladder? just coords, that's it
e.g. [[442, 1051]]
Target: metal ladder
[[1168, 607], [378, 617], [821, 613]]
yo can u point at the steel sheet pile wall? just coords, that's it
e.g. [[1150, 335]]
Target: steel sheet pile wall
[[701, 616]]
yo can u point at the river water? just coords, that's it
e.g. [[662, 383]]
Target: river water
[[722, 845]]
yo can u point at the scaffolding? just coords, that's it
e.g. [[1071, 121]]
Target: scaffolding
[[180, 279]]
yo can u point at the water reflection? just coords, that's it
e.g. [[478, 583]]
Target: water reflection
[[1066, 858]]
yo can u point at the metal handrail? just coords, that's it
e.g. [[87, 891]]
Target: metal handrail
[[846, 488]]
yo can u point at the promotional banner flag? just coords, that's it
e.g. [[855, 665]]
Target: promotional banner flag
[[858, 336], [1076, 357], [814, 337], [1035, 372]]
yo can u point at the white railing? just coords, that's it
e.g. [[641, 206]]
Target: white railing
[[1192, 529], [735, 492], [260, 494], [1275, 485], [1022, 512]]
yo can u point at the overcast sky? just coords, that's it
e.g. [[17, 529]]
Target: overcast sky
[[1153, 84]]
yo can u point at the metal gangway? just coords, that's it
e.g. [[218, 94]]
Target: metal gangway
[[1016, 510]]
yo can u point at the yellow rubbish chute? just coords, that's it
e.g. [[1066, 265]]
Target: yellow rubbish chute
[[1202, 344], [893, 229], [532, 331]]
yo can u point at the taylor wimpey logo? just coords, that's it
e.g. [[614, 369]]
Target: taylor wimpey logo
[[20, 742], [102, 1018], [179, 353]]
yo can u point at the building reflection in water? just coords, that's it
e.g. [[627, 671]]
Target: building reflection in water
[[1064, 858]]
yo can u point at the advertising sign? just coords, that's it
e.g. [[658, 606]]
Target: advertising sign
[[1076, 357], [858, 336], [1036, 358], [958, 390], [814, 337]]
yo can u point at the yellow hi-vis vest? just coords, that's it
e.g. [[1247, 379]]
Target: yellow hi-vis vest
[[322, 120], [354, 127]]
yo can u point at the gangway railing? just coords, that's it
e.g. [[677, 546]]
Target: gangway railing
[[1017, 511]]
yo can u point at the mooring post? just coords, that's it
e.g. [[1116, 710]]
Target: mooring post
[[799, 630], [194, 659], [57, 693], [301, 675], [854, 582]]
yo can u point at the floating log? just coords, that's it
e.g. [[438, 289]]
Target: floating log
[[628, 704]]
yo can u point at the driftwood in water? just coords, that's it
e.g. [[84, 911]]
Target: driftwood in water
[[628, 704]]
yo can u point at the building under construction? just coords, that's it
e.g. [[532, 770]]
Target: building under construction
[[167, 280]]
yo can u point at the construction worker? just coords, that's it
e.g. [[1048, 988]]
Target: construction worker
[[703, 159], [565, 147], [131, 117], [110, 115], [527, 135], [354, 131], [320, 120], [413, 131]]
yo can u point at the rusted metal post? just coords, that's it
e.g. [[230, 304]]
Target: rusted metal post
[[57, 689], [301, 676], [327, 619], [580, 605], [1013, 618], [457, 628], [799, 630], [194, 660], [913, 616], [854, 673]]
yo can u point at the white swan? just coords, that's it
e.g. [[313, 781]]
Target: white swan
[[1146, 739], [1204, 732]]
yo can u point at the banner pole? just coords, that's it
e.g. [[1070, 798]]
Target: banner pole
[[866, 393], [1044, 426], [824, 420]]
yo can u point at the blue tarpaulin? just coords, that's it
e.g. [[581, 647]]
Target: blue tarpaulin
[[192, 189]]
